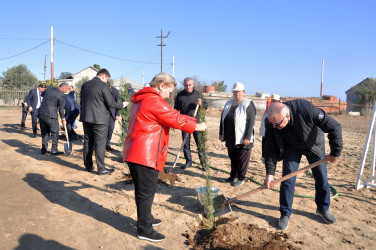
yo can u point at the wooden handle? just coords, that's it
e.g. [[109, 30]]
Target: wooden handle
[[279, 180]]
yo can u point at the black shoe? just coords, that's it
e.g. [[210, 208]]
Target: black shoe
[[327, 216], [105, 171], [187, 165], [43, 150], [108, 148], [56, 152], [154, 236], [283, 222], [89, 169], [156, 222], [230, 179]]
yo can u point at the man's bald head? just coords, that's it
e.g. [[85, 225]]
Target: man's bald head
[[277, 113]]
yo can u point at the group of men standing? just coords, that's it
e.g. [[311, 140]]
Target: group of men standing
[[99, 111]]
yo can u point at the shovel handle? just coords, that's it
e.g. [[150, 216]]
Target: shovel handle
[[66, 133], [279, 180]]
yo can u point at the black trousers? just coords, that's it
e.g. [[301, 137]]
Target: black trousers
[[187, 146], [145, 182], [70, 118], [34, 120], [239, 162], [94, 136], [24, 115], [49, 128], [111, 126]]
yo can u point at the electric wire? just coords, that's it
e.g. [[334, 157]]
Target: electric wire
[[141, 66], [101, 54], [253, 180], [25, 51]]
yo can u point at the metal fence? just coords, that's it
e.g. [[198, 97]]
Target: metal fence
[[12, 97]]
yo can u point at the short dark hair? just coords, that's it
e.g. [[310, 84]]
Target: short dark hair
[[42, 85], [104, 72]]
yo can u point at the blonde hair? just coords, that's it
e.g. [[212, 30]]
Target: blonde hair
[[162, 77]]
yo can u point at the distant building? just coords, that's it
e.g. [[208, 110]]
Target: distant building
[[125, 80], [89, 73], [352, 98]]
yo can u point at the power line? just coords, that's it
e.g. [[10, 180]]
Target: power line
[[141, 66], [25, 51], [114, 57]]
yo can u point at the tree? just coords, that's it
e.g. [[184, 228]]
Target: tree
[[96, 66], [19, 76], [79, 85], [65, 75], [220, 86]]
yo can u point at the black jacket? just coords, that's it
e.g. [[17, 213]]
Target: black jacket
[[116, 96], [186, 103], [53, 99], [96, 101], [310, 124]]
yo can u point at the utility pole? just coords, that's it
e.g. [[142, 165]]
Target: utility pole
[[45, 68], [161, 37], [322, 76], [52, 53]]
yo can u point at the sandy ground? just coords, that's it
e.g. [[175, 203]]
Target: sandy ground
[[52, 202]]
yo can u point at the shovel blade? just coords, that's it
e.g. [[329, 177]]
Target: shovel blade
[[221, 206], [67, 148]]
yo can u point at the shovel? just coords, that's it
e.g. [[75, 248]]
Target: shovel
[[67, 146], [222, 206], [182, 145]]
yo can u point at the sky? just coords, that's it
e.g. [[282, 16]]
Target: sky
[[271, 46]]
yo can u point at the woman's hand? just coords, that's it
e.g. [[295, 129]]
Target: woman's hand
[[201, 126], [246, 142]]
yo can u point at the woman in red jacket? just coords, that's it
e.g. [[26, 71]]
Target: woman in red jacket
[[146, 146]]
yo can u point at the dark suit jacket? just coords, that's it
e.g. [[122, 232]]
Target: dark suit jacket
[[52, 100], [96, 101], [32, 98], [70, 106], [116, 97]]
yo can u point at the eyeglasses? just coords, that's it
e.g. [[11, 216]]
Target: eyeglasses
[[279, 124]]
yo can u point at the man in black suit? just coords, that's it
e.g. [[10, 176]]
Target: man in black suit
[[72, 110], [34, 100], [96, 101], [114, 116], [53, 100]]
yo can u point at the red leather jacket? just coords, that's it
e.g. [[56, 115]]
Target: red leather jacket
[[149, 125]]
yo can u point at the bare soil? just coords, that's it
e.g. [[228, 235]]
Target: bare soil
[[52, 202]]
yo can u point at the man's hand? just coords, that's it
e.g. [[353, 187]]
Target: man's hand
[[117, 117], [30, 109], [201, 126], [64, 122], [268, 180], [246, 142], [125, 104], [331, 159], [199, 102]]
